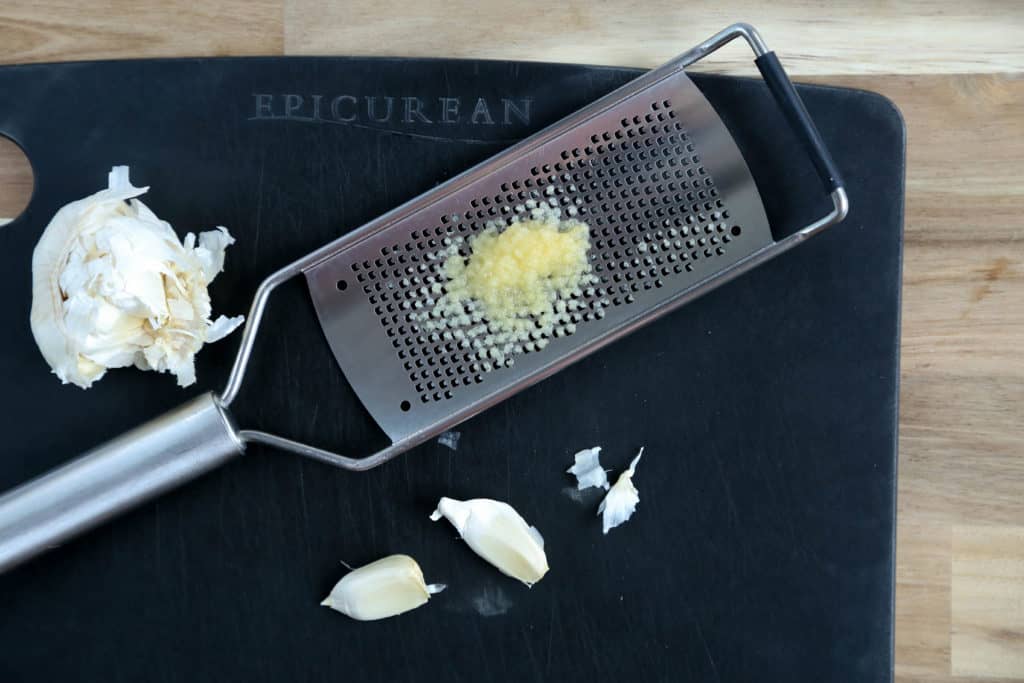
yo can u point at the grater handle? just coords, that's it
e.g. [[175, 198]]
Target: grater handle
[[115, 477], [796, 113]]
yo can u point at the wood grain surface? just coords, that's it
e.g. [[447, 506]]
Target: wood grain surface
[[955, 69]]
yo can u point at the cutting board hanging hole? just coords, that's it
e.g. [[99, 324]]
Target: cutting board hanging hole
[[16, 180]]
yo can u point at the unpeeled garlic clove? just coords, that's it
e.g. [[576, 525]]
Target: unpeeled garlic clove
[[620, 502], [497, 533], [381, 589]]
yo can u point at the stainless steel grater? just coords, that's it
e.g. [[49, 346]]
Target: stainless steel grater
[[673, 212]]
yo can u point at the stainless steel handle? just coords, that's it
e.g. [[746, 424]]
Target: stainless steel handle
[[136, 466]]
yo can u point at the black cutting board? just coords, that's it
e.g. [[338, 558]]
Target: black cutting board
[[763, 546]]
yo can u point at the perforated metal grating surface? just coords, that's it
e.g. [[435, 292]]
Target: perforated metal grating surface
[[653, 212]]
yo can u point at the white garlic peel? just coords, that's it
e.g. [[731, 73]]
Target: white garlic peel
[[620, 502], [381, 589], [588, 471], [113, 286], [498, 534]]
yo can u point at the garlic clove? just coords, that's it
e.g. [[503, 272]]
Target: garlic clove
[[497, 533], [620, 502], [381, 589], [588, 471]]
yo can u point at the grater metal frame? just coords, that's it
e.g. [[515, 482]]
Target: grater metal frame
[[792, 107], [201, 434]]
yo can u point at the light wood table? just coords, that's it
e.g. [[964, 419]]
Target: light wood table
[[954, 69]]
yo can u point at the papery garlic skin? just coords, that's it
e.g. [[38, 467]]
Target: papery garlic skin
[[588, 471], [497, 533], [381, 589], [620, 502], [113, 286]]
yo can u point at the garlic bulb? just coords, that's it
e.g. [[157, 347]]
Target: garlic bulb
[[497, 533], [113, 286], [620, 502], [381, 589], [588, 471]]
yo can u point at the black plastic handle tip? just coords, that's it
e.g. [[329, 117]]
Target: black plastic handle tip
[[796, 113]]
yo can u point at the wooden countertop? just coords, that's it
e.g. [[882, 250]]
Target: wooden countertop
[[955, 69]]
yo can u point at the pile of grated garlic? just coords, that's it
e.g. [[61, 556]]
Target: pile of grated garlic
[[512, 287]]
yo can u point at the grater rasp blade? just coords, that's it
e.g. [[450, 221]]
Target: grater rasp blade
[[651, 169]]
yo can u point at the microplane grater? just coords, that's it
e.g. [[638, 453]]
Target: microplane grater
[[672, 212], [668, 205]]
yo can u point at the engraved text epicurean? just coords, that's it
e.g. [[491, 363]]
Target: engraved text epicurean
[[477, 111]]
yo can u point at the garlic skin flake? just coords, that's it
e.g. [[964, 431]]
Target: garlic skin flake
[[381, 589], [497, 533], [113, 286], [620, 502], [588, 471]]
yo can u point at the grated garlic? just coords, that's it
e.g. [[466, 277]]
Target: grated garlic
[[113, 286], [381, 589], [497, 533], [588, 471], [620, 502], [519, 271], [515, 277]]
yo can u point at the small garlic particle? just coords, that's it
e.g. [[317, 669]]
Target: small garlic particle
[[497, 533], [381, 589]]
